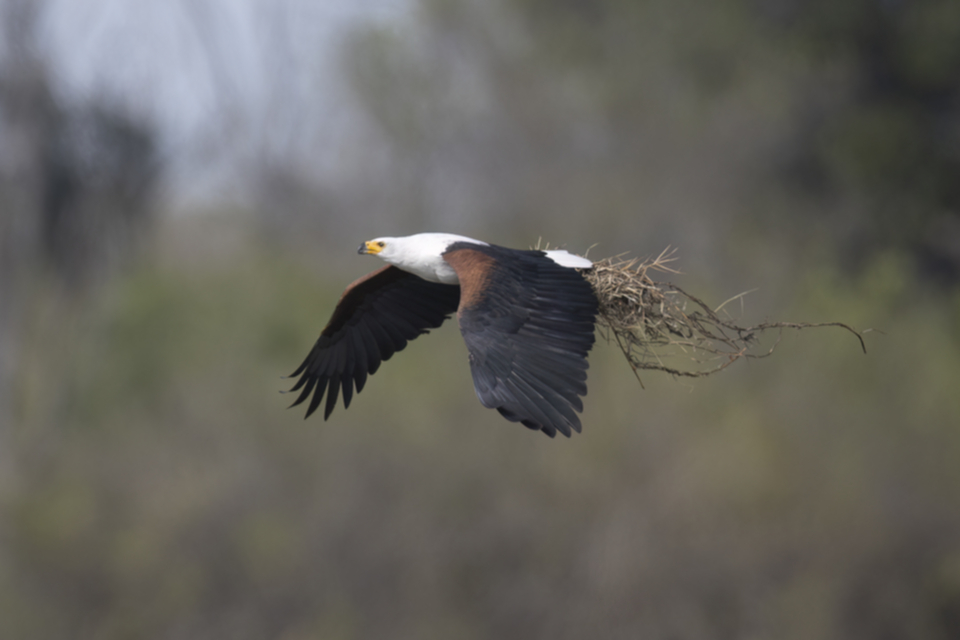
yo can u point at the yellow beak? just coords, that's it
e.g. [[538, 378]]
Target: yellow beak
[[370, 247]]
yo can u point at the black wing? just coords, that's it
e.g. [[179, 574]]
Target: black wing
[[528, 324], [376, 316]]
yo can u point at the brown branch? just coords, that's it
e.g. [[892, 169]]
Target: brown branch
[[651, 320]]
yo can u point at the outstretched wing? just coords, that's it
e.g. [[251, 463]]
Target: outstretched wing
[[528, 323], [376, 316]]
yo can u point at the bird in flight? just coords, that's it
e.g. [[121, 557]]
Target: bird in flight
[[527, 318]]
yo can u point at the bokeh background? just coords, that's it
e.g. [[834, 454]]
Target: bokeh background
[[183, 185]]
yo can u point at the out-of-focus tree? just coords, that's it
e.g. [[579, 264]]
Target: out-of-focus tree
[[633, 124], [160, 491], [879, 138], [76, 183], [688, 121], [272, 128], [78, 177]]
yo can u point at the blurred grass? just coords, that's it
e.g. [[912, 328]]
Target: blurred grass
[[158, 488]]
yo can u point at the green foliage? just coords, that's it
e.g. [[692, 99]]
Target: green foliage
[[152, 484], [808, 495], [888, 137]]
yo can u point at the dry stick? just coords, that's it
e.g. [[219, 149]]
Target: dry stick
[[643, 316]]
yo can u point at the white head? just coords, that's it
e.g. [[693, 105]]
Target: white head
[[421, 254], [415, 248], [398, 251]]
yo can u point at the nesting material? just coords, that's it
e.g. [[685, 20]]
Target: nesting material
[[661, 327]]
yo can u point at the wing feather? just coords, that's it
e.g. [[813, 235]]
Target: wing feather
[[376, 316], [529, 325]]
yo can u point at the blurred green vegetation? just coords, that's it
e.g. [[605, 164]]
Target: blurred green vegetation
[[152, 484], [162, 491]]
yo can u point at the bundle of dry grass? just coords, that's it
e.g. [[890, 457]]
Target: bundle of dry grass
[[657, 323]]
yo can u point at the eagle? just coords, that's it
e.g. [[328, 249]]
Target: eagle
[[526, 316]]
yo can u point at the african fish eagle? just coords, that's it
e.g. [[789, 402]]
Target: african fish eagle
[[527, 318]]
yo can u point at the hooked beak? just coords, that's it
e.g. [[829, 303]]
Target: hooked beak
[[369, 247]]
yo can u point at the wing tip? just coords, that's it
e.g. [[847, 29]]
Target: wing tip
[[550, 430]]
